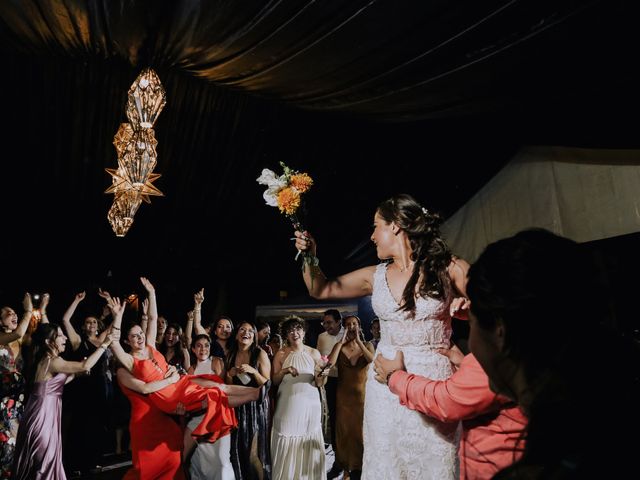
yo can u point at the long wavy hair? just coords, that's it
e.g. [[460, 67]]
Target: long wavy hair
[[233, 346], [44, 334], [429, 251]]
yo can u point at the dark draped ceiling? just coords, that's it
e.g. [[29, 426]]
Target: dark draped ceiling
[[370, 97]]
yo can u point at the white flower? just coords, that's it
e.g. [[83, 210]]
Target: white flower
[[270, 196], [274, 184], [271, 180]]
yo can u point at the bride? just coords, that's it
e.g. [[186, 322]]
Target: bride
[[413, 292]]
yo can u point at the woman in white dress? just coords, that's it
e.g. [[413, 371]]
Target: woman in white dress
[[297, 445], [415, 291]]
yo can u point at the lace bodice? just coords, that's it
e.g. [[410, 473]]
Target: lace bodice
[[430, 328]]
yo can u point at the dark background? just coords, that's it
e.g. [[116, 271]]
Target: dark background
[[370, 98]]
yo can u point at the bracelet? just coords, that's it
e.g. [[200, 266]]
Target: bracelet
[[115, 328], [389, 375], [197, 309], [102, 346]]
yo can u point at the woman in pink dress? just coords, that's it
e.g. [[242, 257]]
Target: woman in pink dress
[[39, 445]]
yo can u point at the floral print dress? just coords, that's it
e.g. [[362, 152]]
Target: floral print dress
[[12, 401]]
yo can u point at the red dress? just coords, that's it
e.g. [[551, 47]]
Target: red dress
[[156, 441], [218, 419]]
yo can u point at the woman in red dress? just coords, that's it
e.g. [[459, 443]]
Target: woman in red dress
[[194, 392], [156, 438]]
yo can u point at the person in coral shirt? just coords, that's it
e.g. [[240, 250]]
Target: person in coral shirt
[[492, 426]]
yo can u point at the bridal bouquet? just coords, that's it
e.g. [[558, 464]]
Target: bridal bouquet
[[285, 192]]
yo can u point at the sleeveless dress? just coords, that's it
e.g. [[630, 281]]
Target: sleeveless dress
[[252, 427], [218, 419], [39, 444], [350, 410], [156, 441], [87, 401], [400, 443], [11, 406], [297, 444]]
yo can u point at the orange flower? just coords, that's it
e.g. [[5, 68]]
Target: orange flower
[[301, 182], [288, 200]]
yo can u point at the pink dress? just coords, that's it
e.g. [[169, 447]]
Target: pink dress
[[39, 444]]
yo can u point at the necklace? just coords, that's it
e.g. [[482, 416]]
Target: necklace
[[403, 269]]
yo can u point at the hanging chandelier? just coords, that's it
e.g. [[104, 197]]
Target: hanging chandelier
[[135, 144]]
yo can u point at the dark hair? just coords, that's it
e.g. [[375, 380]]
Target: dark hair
[[200, 336], [543, 289], [518, 280], [332, 312], [290, 323], [428, 250], [178, 354], [42, 335], [276, 336], [215, 324], [260, 324], [232, 349]]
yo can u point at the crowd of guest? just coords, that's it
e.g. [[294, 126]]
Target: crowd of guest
[[224, 401], [279, 435]]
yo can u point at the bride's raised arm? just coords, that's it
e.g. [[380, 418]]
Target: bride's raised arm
[[358, 283]]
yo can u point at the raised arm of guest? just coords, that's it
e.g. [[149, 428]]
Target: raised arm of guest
[[59, 365], [144, 318], [44, 303], [117, 310], [198, 299], [19, 332], [183, 345], [366, 347], [335, 352], [152, 326], [188, 331], [74, 338]]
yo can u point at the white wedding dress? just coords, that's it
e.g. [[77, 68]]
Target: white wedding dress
[[401, 444]]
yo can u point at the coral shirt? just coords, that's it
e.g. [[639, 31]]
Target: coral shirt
[[492, 426]]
